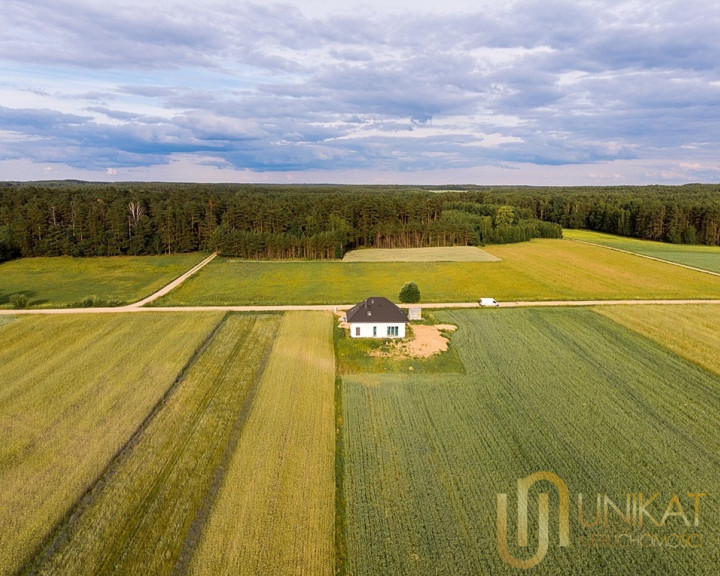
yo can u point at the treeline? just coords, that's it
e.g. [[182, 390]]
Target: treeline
[[321, 222], [687, 214], [316, 222]]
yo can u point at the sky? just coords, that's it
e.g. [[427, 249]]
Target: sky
[[555, 92]]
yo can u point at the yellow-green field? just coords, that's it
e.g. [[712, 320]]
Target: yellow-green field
[[437, 254], [696, 256], [275, 513], [692, 331], [162, 444], [210, 443], [65, 281], [160, 485], [73, 389], [536, 270]]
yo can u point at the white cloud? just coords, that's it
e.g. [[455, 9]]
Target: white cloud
[[316, 87]]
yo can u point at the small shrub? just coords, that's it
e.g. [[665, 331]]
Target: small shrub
[[409, 293], [88, 302], [19, 301]]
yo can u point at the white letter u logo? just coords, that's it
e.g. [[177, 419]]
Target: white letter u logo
[[524, 485]]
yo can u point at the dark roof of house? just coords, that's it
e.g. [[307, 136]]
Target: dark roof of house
[[375, 309]]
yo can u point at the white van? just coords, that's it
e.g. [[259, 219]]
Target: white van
[[488, 302]]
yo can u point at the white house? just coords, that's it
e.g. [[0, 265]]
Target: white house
[[376, 317]]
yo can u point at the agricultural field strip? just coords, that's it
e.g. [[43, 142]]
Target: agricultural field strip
[[536, 252], [645, 256], [437, 254], [425, 455], [74, 389], [137, 517], [689, 331], [275, 511]]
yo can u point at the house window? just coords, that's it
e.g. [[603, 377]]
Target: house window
[[374, 330], [357, 330], [393, 331]]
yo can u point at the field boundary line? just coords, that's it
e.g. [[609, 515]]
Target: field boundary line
[[174, 284], [645, 256], [62, 531]]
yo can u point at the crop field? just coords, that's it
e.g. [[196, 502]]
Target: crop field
[[160, 486], [536, 270], [561, 390], [275, 513], [692, 331], [703, 257], [439, 254], [73, 389], [119, 458], [65, 281]]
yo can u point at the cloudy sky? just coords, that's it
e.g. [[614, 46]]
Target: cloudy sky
[[385, 91]]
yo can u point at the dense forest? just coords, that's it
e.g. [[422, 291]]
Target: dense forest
[[265, 221]]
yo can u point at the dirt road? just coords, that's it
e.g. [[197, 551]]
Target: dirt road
[[331, 308], [174, 284]]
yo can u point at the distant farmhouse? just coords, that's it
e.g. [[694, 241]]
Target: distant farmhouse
[[376, 317]]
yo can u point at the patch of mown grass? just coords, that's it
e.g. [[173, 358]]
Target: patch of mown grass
[[370, 355], [436, 254]]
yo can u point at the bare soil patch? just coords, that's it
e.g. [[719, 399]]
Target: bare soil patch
[[426, 341]]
